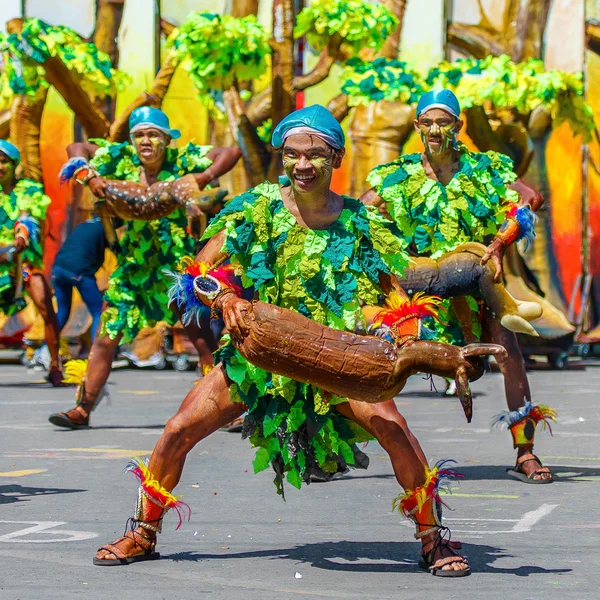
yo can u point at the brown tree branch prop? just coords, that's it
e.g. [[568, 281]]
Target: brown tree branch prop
[[25, 127]]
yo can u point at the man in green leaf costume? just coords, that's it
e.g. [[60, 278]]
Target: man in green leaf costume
[[448, 196], [137, 292], [23, 207], [306, 249]]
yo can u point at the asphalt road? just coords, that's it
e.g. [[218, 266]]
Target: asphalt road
[[63, 494]]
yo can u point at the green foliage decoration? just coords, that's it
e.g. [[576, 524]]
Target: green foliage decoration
[[437, 218], [324, 275], [360, 24], [381, 79], [519, 86], [218, 51], [23, 57]]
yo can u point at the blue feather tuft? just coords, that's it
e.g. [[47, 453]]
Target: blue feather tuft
[[68, 169], [182, 293], [508, 417], [527, 220]]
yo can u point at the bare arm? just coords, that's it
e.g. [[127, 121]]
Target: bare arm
[[224, 159], [527, 195], [83, 149], [211, 252]]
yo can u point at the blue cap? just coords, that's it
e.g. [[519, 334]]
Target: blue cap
[[443, 99], [315, 119], [10, 150], [146, 117]]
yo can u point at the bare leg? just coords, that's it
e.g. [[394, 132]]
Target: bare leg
[[385, 423], [98, 370], [516, 386], [40, 294], [206, 408]]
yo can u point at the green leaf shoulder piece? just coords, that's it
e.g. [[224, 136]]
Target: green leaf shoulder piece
[[437, 218]]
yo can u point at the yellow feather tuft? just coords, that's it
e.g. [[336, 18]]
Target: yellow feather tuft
[[75, 371]]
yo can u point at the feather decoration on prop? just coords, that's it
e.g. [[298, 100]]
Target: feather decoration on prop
[[401, 320], [157, 492], [400, 308], [182, 290], [537, 413], [70, 167], [438, 478]]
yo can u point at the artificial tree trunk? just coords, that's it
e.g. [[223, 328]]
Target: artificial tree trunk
[[282, 70], [109, 14], [378, 130], [25, 131]]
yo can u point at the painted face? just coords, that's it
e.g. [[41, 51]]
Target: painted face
[[438, 130], [150, 145], [7, 169], [309, 162]]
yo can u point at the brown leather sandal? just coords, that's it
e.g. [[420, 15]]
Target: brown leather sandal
[[517, 472], [146, 544], [437, 568]]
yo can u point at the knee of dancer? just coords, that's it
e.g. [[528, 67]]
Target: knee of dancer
[[179, 435], [389, 429]]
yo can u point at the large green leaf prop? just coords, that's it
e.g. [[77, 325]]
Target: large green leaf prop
[[381, 79], [24, 54], [220, 50], [359, 23], [521, 86]]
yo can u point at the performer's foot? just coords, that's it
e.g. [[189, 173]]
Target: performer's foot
[[529, 468], [77, 418], [135, 546], [440, 556], [235, 426]]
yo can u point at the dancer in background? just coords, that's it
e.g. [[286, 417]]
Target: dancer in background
[[23, 206]]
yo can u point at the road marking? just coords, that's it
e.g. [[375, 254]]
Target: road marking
[[584, 458], [522, 525], [501, 496], [111, 451], [22, 473], [47, 528], [528, 520], [139, 392]]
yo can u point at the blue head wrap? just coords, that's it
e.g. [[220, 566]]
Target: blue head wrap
[[443, 99], [315, 120], [146, 117], [10, 150]]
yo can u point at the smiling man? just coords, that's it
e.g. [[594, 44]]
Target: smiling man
[[447, 196], [137, 292], [302, 247]]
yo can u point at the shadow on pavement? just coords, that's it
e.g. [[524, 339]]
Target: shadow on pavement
[[17, 493], [350, 556], [563, 474]]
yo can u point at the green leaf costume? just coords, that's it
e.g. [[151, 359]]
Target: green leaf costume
[[324, 275], [26, 198], [137, 291], [434, 218]]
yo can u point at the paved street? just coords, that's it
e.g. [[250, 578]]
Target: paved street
[[63, 494]]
